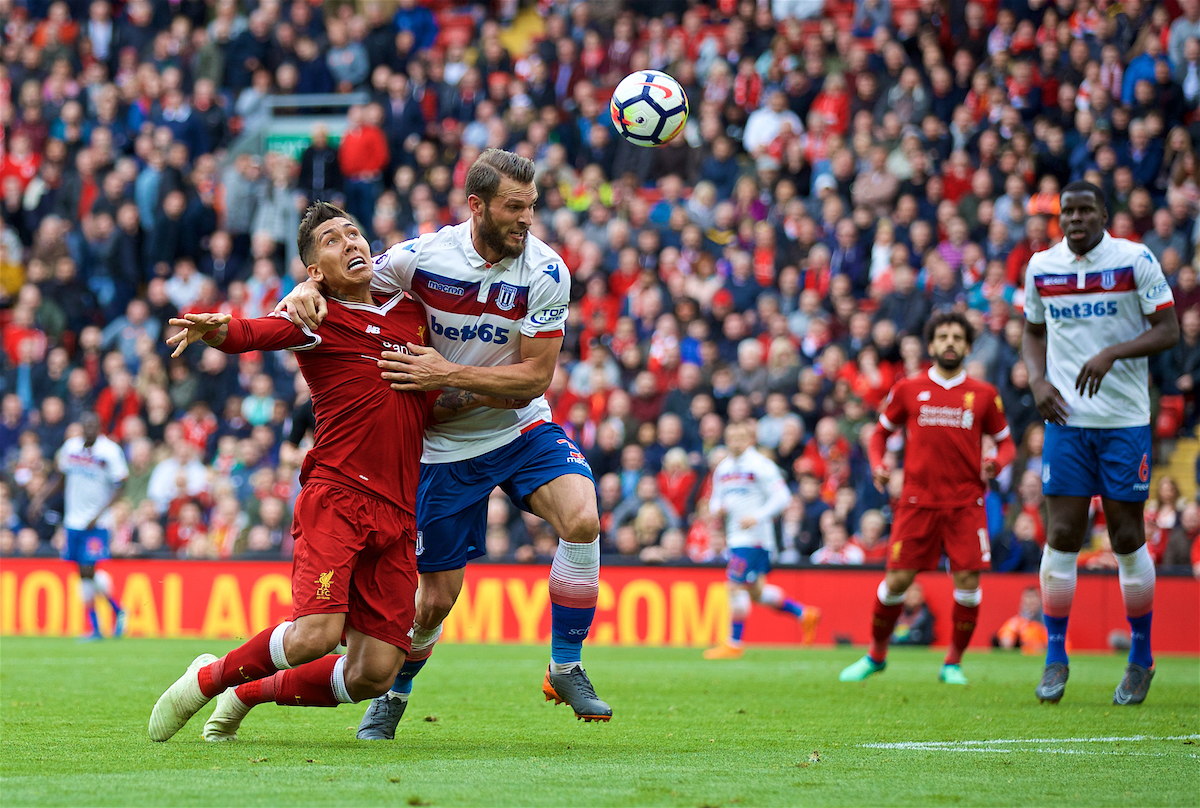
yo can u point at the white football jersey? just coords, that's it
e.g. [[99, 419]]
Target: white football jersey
[[1088, 303], [478, 315], [749, 485], [92, 475]]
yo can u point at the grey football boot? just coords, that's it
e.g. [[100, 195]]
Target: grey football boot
[[575, 689]]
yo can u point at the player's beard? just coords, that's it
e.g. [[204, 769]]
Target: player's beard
[[496, 237], [950, 366]]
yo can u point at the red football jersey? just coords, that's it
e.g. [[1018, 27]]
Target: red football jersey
[[945, 422], [368, 436]]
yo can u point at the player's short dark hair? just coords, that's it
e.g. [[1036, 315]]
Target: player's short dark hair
[[483, 180], [1083, 186], [942, 318], [317, 214]]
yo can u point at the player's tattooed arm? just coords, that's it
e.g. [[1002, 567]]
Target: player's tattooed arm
[[210, 328], [454, 401]]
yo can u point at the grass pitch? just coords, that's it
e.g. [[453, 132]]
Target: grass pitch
[[775, 728]]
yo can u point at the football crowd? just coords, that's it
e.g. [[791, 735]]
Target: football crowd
[[848, 168]]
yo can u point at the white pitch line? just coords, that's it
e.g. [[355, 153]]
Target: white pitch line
[[955, 745]]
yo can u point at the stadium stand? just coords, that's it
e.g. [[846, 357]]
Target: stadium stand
[[849, 167]]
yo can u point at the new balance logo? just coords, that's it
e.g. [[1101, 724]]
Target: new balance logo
[[373, 329], [923, 395]]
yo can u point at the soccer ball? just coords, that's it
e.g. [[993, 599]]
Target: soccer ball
[[649, 108]]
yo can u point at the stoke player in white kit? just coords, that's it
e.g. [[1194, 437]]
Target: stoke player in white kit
[[94, 470], [496, 297], [1095, 308], [749, 493]]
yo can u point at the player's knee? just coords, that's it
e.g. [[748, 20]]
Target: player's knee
[[365, 681], [311, 640], [433, 606], [582, 528]]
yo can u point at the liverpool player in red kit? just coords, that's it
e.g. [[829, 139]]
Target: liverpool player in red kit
[[945, 416], [354, 568]]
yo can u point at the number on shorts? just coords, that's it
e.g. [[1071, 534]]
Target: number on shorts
[[985, 547]]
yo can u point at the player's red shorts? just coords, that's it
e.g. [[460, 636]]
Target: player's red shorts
[[921, 535], [355, 554]]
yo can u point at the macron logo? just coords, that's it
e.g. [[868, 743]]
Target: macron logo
[[553, 272]]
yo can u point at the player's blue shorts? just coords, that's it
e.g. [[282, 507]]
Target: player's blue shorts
[[1081, 462], [452, 498], [86, 547], [746, 564]]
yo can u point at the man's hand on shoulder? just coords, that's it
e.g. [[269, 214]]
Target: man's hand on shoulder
[[305, 305]]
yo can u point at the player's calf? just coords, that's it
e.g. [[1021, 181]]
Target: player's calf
[[384, 713]]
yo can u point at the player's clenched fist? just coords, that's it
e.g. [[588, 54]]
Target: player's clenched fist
[[882, 477], [196, 327]]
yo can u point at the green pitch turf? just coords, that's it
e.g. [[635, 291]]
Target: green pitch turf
[[775, 728]]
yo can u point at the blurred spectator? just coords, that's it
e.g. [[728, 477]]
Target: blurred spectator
[[1025, 629], [915, 626]]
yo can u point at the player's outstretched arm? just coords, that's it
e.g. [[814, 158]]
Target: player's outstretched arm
[[423, 368], [1162, 336], [305, 305], [1046, 396], [209, 328]]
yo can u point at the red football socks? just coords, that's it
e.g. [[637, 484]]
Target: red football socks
[[247, 662], [883, 620], [964, 618], [309, 685]]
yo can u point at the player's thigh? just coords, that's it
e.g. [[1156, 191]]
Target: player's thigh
[[1070, 462], [1066, 522], [963, 535], [966, 579], [371, 664], [1126, 525], [550, 478], [328, 540], [452, 503], [1124, 463], [568, 503], [912, 545], [383, 589]]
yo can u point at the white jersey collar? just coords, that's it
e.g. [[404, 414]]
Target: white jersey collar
[[947, 384], [1092, 255], [476, 260]]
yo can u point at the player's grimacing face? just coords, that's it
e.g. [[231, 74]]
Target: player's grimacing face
[[949, 345], [1082, 220], [507, 218], [343, 255]]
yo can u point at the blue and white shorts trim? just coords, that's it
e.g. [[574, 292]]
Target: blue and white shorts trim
[[452, 498], [1083, 462], [746, 564]]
